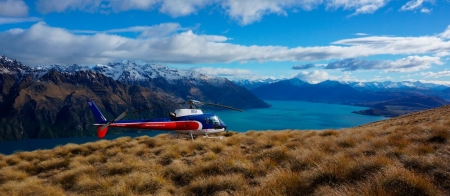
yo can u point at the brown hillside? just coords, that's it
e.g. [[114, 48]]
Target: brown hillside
[[55, 105], [406, 155]]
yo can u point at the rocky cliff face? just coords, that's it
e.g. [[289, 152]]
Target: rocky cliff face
[[55, 105]]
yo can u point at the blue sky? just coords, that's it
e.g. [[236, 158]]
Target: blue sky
[[314, 40]]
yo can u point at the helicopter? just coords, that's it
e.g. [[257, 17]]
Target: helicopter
[[190, 122]]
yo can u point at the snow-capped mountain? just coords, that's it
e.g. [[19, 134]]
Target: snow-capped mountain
[[50, 101], [11, 66], [176, 84], [388, 85], [251, 84], [133, 73]]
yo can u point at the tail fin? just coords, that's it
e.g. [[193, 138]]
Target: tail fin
[[99, 118], [97, 114]]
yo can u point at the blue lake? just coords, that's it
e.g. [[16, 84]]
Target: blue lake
[[282, 115], [295, 115]]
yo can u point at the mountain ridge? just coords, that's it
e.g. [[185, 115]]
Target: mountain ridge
[[371, 85], [340, 93], [178, 84], [50, 102]]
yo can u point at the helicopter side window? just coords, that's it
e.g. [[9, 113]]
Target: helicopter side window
[[207, 120]]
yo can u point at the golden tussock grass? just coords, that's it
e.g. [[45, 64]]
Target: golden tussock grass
[[406, 155]]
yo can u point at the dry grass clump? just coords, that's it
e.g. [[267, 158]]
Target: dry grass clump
[[407, 155], [225, 184], [30, 186]]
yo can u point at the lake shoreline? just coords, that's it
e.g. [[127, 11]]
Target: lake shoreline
[[282, 115]]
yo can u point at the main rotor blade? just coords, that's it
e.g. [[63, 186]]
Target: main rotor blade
[[120, 117], [199, 103], [195, 102], [223, 106]]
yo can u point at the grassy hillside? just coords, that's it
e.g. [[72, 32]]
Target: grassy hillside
[[406, 155]]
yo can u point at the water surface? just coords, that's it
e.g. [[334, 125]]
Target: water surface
[[282, 115], [295, 115]]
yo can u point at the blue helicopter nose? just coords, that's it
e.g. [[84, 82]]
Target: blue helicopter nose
[[223, 124]]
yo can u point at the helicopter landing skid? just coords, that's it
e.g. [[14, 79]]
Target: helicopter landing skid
[[182, 136], [190, 136], [210, 137]]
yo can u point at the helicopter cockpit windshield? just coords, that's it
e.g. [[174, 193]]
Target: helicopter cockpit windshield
[[215, 120]]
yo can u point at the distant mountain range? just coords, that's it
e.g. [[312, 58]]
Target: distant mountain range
[[327, 91], [373, 94], [50, 101], [380, 86], [361, 86], [251, 84]]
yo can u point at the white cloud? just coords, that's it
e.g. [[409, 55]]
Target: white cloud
[[443, 54], [446, 83], [398, 45], [170, 43], [176, 8], [416, 4], [231, 74], [173, 8], [245, 12], [360, 6], [4, 20], [445, 73], [317, 76], [58, 45], [125, 5], [411, 5], [408, 64], [216, 71], [48, 6], [313, 76], [362, 34], [446, 33], [381, 78], [155, 31], [413, 63], [425, 10], [13, 8], [161, 30]]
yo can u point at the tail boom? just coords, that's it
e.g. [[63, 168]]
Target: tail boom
[[103, 124]]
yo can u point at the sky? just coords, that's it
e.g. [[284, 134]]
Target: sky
[[314, 40]]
